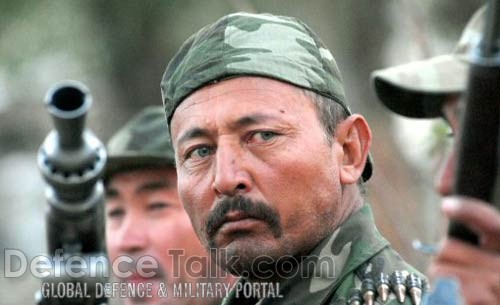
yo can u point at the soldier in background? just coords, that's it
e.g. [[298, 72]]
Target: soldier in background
[[269, 161], [431, 89], [144, 215]]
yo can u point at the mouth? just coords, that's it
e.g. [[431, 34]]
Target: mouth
[[136, 279], [235, 216], [239, 217], [236, 221]]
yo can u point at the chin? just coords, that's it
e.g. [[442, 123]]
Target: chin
[[247, 257]]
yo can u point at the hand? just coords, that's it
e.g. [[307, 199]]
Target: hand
[[477, 268]]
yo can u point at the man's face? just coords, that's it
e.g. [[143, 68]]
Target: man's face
[[144, 217], [256, 172], [444, 180]]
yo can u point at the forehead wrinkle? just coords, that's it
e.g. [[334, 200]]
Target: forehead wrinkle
[[252, 119], [236, 124], [193, 133], [212, 93]]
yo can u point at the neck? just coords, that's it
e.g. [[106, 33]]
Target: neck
[[351, 202]]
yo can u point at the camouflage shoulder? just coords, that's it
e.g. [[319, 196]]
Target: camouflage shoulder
[[384, 279], [390, 293]]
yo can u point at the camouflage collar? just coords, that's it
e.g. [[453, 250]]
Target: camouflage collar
[[352, 244]]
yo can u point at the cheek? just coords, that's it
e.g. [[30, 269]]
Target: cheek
[[177, 239], [304, 191], [177, 234], [114, 238], [302, 179], [111, 243], [195, 195]]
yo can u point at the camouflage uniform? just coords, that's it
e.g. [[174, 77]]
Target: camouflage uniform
[[285, 49], [357, 251]]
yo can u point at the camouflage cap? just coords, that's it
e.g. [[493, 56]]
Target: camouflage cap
[[244, 44], [418, 89], [142, 142]]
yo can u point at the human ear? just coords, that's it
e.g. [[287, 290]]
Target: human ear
[[355, 137]]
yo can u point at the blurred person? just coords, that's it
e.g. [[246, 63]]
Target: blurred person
[[270, 163], [431, 89], [144, 215]]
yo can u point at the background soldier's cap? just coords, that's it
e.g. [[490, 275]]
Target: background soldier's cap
[[143, 142], [243, 44], [418, 89]]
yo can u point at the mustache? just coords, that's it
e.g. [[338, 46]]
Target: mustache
[[250, 208]]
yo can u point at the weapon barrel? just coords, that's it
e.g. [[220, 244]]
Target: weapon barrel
[[490, 43], [68, 104], [477, 161], [71, 158]]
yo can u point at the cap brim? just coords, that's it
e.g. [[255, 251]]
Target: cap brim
[[418, 89], [115, 164]]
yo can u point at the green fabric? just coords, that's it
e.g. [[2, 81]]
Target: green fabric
[[243, 44], [144, 141], [357, 249], [239, 44]]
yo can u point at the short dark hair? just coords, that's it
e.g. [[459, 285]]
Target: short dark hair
[[330, 112]]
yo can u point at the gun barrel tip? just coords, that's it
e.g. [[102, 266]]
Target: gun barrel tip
[[68, 98]]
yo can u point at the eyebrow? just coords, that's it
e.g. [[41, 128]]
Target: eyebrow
[[252, 119], [111, 193], [146, 187], [152, 186], [193, 133], [245, 121]]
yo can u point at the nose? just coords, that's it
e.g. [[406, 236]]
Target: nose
[[132, 237], [445, 178], [231, 176]]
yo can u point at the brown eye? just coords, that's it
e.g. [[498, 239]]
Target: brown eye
[[156, 206], [115, 213]]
